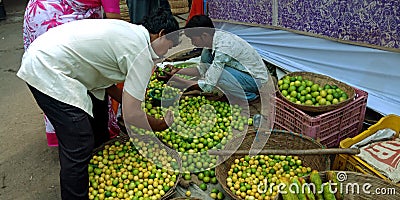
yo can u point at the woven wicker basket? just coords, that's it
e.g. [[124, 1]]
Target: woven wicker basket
[[277, 140], [321, 80], [351, 179], [125, 138]]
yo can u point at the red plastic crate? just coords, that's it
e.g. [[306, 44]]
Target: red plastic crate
[[328, 128]]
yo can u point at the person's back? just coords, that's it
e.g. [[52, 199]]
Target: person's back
[[85, 59], [244, 57]]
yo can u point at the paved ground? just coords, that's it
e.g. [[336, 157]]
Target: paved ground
[[28, 167]]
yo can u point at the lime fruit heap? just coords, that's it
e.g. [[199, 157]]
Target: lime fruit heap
[[258, 177], [199, 125], [305, 92], [167, 92], [120, 172]]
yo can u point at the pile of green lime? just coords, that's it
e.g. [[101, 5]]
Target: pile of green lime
[[167, 92], [155, 83], [258, 177], [305, 92], [199, 125], [120, 172]]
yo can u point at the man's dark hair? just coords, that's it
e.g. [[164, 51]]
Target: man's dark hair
[[162, 19], [198, 25]]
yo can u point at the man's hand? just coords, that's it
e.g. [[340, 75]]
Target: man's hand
[[170, 70]]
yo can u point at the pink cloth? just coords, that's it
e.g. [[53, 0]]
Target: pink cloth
[[109, 6], [41, 15]]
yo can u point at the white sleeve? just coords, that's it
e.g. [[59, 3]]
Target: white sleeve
[[139, 69]]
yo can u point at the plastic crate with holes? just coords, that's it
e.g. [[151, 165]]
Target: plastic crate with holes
[[328, 128], [353, 162]]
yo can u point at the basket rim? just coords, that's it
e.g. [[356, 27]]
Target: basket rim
[[321, 108]]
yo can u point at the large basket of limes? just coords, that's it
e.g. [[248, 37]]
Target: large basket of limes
[[314, 92], [128, 168], [245, 176]]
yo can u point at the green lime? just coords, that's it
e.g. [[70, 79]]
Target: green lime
[[220, 195], [286, 168], [207, 173], [293, 94], [201, 176], [212, 173], [284, 93], [214, 180], [308, 102], [299, 78], [203, 186], [166, 188], [327, 86], [272, 171], [187, 177], [302, 99], [286, 81], [322, 101], [336, 95], [323, 93], [314, 87], [292, 88], [206, 179]]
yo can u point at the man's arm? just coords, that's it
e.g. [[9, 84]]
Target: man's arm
[[214, 72], [134, 115], [190, 71]]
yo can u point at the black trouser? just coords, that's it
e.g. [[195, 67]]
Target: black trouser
[[76, 139]]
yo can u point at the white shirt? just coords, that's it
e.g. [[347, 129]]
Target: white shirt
[[230, 50], [89, 55]]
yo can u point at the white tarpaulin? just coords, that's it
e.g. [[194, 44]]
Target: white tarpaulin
[[374, 71]]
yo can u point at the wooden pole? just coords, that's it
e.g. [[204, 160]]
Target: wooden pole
[[286, 152]]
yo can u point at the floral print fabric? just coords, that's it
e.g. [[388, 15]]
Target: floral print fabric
[[41, 15]]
